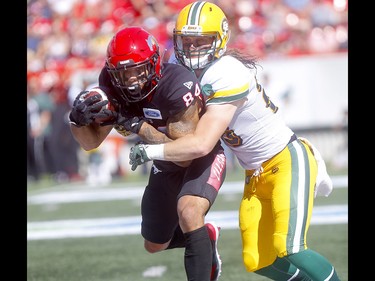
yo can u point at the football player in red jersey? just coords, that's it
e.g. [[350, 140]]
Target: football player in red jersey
[[160, 103]]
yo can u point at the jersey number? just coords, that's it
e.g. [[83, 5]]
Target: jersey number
[[269, 103], [229, 136], [189, 97]]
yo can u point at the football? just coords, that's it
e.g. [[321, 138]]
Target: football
[[95, 91]]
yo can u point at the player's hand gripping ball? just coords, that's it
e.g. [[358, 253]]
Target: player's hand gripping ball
[[87, 106], [99, 118]]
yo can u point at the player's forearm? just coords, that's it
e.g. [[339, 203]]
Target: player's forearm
[[151, 135], [90, 137], [190, 146], [198, 144], [187, 148]]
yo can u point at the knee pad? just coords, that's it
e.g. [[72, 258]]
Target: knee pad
[[253, 263]]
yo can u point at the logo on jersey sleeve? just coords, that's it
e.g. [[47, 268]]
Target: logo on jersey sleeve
[[207, 90], [152, 113], [231, 138]]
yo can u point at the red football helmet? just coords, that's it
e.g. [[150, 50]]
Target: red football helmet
[[133, 62]]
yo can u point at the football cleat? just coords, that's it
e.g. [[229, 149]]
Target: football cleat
[[213, 232]]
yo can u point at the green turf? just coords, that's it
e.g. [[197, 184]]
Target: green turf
[[116, 258], [123, 257]]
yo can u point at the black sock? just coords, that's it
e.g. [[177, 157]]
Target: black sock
[[178, 240], [198, 255]]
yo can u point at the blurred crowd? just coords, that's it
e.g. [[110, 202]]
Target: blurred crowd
[[66, 45]]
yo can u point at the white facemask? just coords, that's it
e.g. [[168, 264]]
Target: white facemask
[[202, 60]]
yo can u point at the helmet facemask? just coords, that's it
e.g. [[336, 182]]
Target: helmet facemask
[[134, 80], [196, 51]]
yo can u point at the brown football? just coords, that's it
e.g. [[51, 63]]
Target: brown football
[[97, 90]]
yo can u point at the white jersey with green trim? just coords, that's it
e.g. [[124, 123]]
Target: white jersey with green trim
[[257, 131]]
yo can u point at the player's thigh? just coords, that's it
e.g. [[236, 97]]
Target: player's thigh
[[256, 224], [205, 176], [159, 205]]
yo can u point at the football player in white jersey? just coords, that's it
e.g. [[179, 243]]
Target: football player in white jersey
[[280, 168]]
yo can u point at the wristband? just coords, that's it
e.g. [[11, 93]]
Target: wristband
[[74, 124], [155, 151], [136, 126]]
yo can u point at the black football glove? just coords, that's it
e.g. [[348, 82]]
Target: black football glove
[[121, 122], [84, 110]]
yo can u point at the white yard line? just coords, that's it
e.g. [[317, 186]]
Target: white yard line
[[83, 193], [334, 214]]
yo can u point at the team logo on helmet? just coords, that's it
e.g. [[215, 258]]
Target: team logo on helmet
[[225, 26], [151, 42]]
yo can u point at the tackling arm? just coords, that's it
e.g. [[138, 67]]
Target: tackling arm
[[196, 144], [199, 143], [178, 126]]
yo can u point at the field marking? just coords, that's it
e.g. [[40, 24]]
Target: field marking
[[154, 271], [74, 193], [78, 228]]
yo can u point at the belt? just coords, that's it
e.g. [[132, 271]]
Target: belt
[[292, 138], [251, 172]]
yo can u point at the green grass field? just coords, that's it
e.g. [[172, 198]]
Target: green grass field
[[122, 257]]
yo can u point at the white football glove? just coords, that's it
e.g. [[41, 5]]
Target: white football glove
[[323, 184]]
